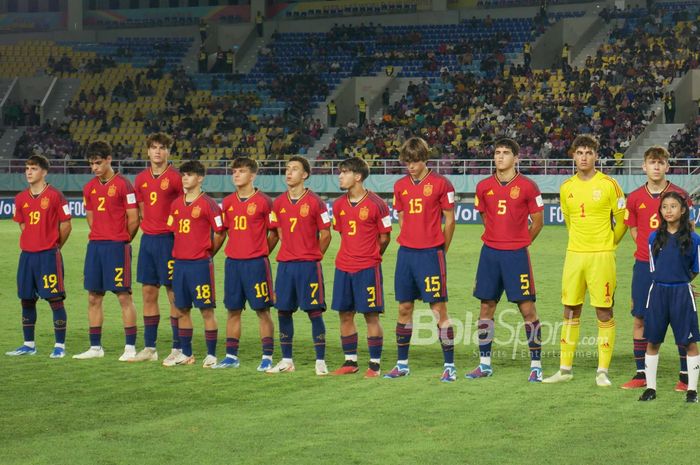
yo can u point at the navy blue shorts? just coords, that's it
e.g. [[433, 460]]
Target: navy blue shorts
[[155, 263], [300, 285], [362, 291], [672, 304], [248, 280], [108, 266], [193, 284], [641, 282], [504, 270], [40, 274], [421, 274]]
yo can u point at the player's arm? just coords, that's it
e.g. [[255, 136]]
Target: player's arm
[[384, 239], [64, 230], [141, 210], [273, 238], [536, 224], [633, 233], [89, 217], [400, 219], [619, 228], [132, 222], [324, 240], [449, 228], [218, 241]]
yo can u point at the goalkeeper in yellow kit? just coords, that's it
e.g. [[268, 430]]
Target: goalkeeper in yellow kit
[[594, 208]]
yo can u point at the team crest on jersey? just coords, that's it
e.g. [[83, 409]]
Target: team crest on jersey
[[427, 190], [44, 203], [112, 191], [364, 213], [642, 206], [514, 192], [597, 195], [196, 211], [304, 210], [251, 209], [164, 183]]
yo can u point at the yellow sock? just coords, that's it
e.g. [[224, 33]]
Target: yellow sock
[[606, 343], [569, 339]]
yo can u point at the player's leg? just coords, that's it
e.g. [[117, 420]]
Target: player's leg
[[693, 373], [176, 348], [126, 303], [211, 331], [311, 290], [533, 333], [95, 320], [287, 303], [52, 289], [447, 340], [651, 361], [344, 304], [375, 343], [656, 320], [200, 274], [147, 275], [185, 330], [267, 333], [260, 295], [573, 293], [406, 291], [601, 278], [234, 301], [233, 337], [27, 292], [183, 299], [60, 320], [641, 280]]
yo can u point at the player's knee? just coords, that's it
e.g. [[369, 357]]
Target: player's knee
[[234, 315], [406, 309], [638, 323], [604, 314], [95, 298]]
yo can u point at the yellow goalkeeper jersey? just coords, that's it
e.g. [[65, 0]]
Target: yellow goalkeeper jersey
[[589, 208]]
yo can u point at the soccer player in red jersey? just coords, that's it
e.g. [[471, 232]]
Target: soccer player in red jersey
[[195, 219], [363, 221], [642, 217], [303, 225], [113, 218], [156, 188], [44, 220], [506, 202], [248, 274], [422, 199]]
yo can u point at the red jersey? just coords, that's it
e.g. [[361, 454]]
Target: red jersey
[[247, 222], [643, 213], [108, 201], [359, 226], [506, 209], [40, 215], [299, 223], [155, 194], [193, 225], [422, 204]]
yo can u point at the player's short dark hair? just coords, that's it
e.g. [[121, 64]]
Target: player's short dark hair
[[507, 143], [656, 152], [304, 163], [586, 141], [159, 138], [38, 160], [245, 162], [193, 167], [413, 150], [98, 149], [357, 165]]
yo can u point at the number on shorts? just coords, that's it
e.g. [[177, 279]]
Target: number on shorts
[[119, 276], [524, 282], [314, 289], [372, 299], [171, 267], [432, 284], [50, 280], [262, 290], [203, 291]]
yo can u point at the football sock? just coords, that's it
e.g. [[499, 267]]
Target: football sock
[[569, 339], [403, 339], [130, 335], [349, 344], [640, 349], [375, 345], [150, 330], [485, 330], [232, 346], [606, 343], [693, 372], [28, 319], [683, 356], [651, 362], [211, 336], [318, 331], [176, 333], [268, 346], [95, 336], [447, 341], [60, 319], [286, 333], [533, 332], [185, 337]]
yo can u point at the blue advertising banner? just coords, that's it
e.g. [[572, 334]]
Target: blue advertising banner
[[465, 213]]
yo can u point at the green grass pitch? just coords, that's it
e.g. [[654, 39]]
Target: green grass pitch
[[105, 412]]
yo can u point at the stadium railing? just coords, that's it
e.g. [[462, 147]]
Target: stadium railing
[[564, 166]]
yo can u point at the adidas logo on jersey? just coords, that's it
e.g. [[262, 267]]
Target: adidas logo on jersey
[[490, 192], [642, 206], [342, 212], [405, 192], [284, 210], [144, 185], [571, 196], [230, 209], [26, 205], [93, 191]]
